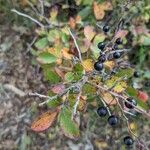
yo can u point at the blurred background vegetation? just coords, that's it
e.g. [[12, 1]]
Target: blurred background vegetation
[[18, 66]]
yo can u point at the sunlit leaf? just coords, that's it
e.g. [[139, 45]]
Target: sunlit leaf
[[44, 121], [69, 127]]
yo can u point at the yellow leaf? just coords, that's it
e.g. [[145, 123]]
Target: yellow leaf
[[89, 32], [88, 65], [118, 86], [109, 64], [82, 103]]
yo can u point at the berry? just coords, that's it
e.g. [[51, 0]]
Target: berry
[[147, 84], [106, 28], [128, 141], [102, 111], [132, 101], [101, 45], [116, 55], [118, 41], [136, 74], [102, 58], [98, 66], [112, 120]]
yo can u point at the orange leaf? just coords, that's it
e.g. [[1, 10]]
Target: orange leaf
[[98, 11], [89, 32], [107, 5], [44, 121], [143, 96], [66, 54]]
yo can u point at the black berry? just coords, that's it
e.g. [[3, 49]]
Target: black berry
[[106, 28], [116, 55], [98, 66], [118, 41], [132, 101], [128, 141], [102, 111], [102, 58], [136, 74], [147, 84], [101, 45], [112, 120]]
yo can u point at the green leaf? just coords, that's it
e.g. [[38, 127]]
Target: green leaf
[[41, 43], [51, 76], [125, 73], [46, 58], [54, 103], [85, 12], [131, 91], [88, 89], [69, 76], [53, 35], [78, 71], [68, 126], [147, 74], [146, 40]]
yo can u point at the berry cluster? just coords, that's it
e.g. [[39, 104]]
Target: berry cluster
[[113, 119], [102, 46], [130, 103]]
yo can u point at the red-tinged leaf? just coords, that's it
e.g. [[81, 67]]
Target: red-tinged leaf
[[58, 88], [121, 34], [44, 121], [143, 96]]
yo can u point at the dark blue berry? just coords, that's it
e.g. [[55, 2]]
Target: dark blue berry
[[128, 141], [116, 55], [118, 41], [102, 111], [98, 66], [132, 101], [101, 45], [106, 28], [112, 120], [136, 74], [102, 58]]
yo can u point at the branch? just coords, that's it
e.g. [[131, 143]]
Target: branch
[[121, 97], [75, 42], [29, 17]]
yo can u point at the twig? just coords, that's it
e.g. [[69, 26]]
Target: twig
[[29, 17], [38, 95], [76, 105], [42, 7], [75, 42]]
